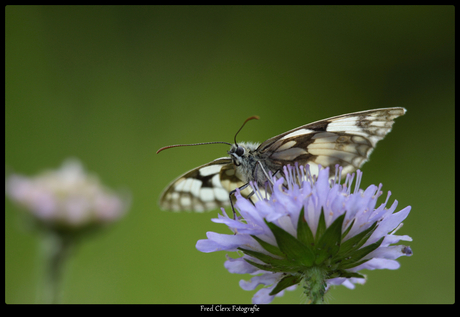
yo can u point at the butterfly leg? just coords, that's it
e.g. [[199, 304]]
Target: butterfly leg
[[263, 170], [277, 171], [233, 193]]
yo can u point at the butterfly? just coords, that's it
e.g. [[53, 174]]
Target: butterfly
[[346, 140]]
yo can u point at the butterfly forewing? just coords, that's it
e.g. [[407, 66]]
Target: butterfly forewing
[[346, 140]]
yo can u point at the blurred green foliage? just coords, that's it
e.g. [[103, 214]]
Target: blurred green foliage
[[112, 84]]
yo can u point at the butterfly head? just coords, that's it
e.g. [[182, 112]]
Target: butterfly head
[[242, 152], [237, 153]]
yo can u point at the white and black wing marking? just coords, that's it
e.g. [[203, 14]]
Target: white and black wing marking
[[346, 140], [204, 188]]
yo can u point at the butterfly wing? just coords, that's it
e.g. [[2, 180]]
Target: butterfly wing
[[203, 188], [347, 140]]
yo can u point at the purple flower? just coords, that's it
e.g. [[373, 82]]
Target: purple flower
[[318, 234]]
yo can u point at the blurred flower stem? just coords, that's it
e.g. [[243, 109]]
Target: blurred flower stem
[[55, 249]]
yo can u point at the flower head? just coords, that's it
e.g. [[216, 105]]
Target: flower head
[[318, 234], [66, 199]]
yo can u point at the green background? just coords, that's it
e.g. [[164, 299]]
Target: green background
[[111, 85]]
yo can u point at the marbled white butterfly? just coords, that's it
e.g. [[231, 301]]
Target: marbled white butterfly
[[346, 140]]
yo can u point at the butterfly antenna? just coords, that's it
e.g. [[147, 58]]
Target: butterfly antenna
[[250, 118], [177, 145]]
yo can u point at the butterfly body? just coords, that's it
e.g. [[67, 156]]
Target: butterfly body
[[346, 140], [250, 164]]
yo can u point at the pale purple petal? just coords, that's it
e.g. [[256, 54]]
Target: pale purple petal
[[221, 242], [392, 252], [239, 266], [376, 263], [262, 296], [264, 279]]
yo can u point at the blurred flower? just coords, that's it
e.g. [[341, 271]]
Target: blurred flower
[[318, 234], [67, 198], [66, 204]]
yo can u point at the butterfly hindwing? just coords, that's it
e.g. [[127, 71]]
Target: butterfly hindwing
[[231, 179], [200, 189]]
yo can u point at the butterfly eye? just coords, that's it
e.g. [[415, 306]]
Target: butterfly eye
[[239, 151]]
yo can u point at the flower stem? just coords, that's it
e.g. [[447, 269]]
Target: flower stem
[[314, 283], [56, 248]]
